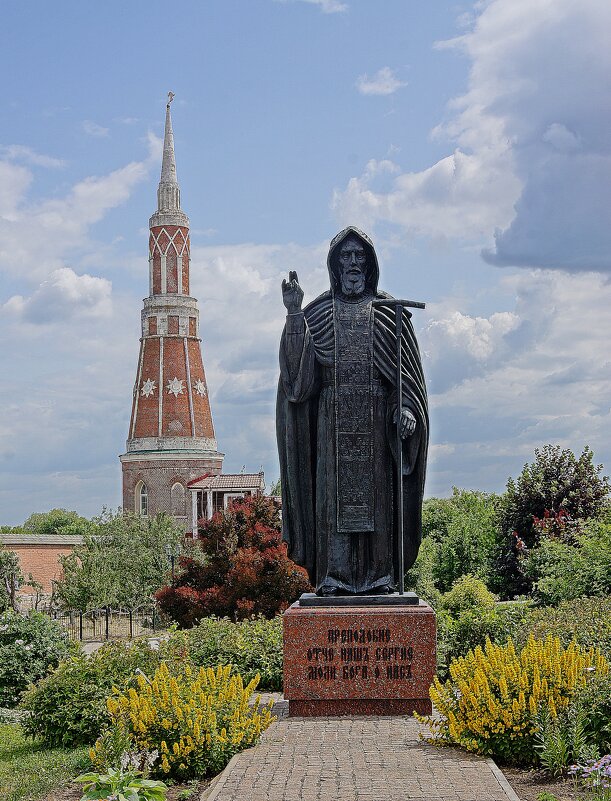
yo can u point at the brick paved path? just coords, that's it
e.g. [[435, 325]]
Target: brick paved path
[[355, 759]]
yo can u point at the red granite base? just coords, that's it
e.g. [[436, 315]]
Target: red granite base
[[353, 706], [359, 660]]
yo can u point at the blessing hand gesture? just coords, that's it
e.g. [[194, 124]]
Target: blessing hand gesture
[[292, 293]]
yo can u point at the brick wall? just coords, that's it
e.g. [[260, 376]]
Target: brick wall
[[39, 556], [160, 477]]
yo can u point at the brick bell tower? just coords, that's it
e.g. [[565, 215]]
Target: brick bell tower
[[171, 436]]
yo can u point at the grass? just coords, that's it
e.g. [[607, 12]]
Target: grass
[[28, 771]]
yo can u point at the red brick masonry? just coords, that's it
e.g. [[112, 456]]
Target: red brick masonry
[[39, 556], [359, 660]]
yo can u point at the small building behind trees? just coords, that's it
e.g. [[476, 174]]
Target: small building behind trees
[[213, 493]]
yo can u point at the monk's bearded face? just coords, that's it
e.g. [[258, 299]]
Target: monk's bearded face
[[353, 268]]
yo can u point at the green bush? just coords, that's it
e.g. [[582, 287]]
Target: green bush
[[420, 578], [468, 593], [252, 647], [68, 707], [586, 620], [561, 571], [469, 614], [12, 715], [594, 701], [470, 543], [29, 646], [550, 497], [123, 560], [466, 616], [465, 534], [512, 619]]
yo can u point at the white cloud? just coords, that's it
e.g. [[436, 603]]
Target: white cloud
[[459, 345], [93, 129], [476, 336], [72, 343], [326, 6], [384, 82], [64, 296], [461, 196], [14, 183], [540, 373], [37, 237], [66, 398], [561, 138], [29, 156], [530, 176]]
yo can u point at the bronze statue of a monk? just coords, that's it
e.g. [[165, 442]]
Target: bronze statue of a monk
[[336, 425]]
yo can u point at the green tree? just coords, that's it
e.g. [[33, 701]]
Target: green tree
[[470, 539], [557, 481], [548, 499], [56, 521], [123, 561], [11, 530], [461, 536], [276, 489], [243, 568], [11, 578], [561, 571]]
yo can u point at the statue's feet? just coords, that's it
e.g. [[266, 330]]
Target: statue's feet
[[385, 589], [327, 590]]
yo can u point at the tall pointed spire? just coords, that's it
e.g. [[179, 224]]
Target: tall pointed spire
[[168, 193], [168, 165]]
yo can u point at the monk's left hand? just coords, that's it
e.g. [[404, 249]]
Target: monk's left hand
[[407, 424]]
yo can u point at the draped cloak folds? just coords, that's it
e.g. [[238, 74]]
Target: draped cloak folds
[[307, 415]]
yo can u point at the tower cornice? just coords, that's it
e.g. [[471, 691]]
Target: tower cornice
[[160, 219]]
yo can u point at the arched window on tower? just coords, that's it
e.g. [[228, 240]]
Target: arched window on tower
[[142, 499], [178, 499]]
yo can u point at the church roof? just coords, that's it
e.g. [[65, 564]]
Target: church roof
[[229, 481]]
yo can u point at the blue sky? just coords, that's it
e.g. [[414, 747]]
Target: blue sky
[[471, 140]]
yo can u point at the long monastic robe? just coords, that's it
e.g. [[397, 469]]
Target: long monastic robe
[[336, 405]]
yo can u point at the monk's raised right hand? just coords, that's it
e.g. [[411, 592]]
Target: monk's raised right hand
[[292, 293]]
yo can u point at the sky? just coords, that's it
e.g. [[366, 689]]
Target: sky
[[470, 140]]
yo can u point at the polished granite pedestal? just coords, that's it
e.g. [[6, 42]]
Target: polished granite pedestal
[[374, 659]]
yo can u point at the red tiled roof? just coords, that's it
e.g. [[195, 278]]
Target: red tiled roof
[[229, 481]]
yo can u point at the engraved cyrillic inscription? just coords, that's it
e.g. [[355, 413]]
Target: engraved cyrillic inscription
[[360, 654]]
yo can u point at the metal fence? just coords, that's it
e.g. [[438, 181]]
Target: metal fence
[[108, 624]]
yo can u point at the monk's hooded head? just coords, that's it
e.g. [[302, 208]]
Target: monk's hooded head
[[352, 263]]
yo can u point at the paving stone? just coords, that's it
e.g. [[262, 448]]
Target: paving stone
[[356, 759]]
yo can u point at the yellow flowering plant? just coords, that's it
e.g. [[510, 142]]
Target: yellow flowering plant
[[196, 719], [490, 702]]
